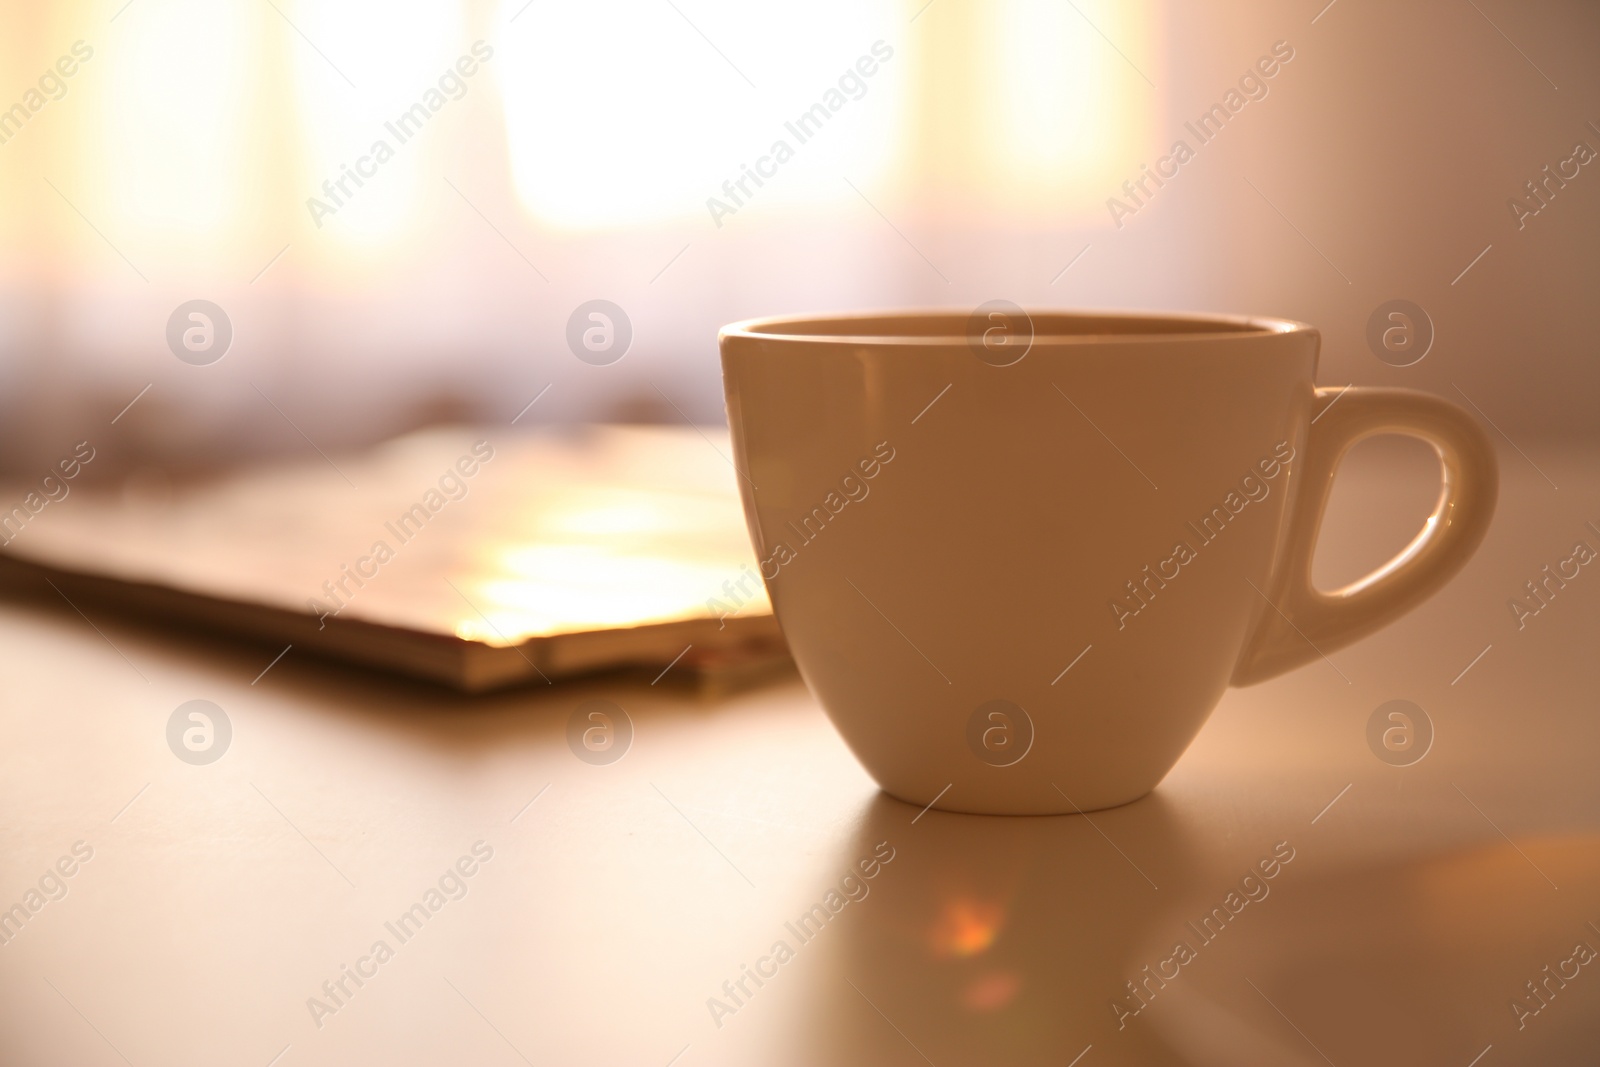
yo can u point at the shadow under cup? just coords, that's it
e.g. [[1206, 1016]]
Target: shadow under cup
[[1018, 558]]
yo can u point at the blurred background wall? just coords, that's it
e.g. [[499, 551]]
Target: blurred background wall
[[179, 158]]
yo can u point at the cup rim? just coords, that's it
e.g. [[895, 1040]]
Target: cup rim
[[1210, 326]]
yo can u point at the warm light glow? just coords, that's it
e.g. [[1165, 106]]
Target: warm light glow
[[393, 60], [613, 556], [574, 587], [966, 926], [991, 991], [1056, 100], [203, 126], [1042, 107], [626, 113], [169, 95]]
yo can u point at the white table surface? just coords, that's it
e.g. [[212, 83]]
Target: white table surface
[[219, 898]]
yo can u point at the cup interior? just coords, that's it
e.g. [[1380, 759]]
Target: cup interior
[[934, 327]]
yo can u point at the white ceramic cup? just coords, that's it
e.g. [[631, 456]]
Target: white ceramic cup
[[1018, 558]]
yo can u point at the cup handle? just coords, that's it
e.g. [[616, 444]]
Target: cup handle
[[1301, 622]]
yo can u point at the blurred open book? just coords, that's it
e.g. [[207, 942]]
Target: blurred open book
[[478, 559]]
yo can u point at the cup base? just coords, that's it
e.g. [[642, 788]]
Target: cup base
[[953, 802]]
